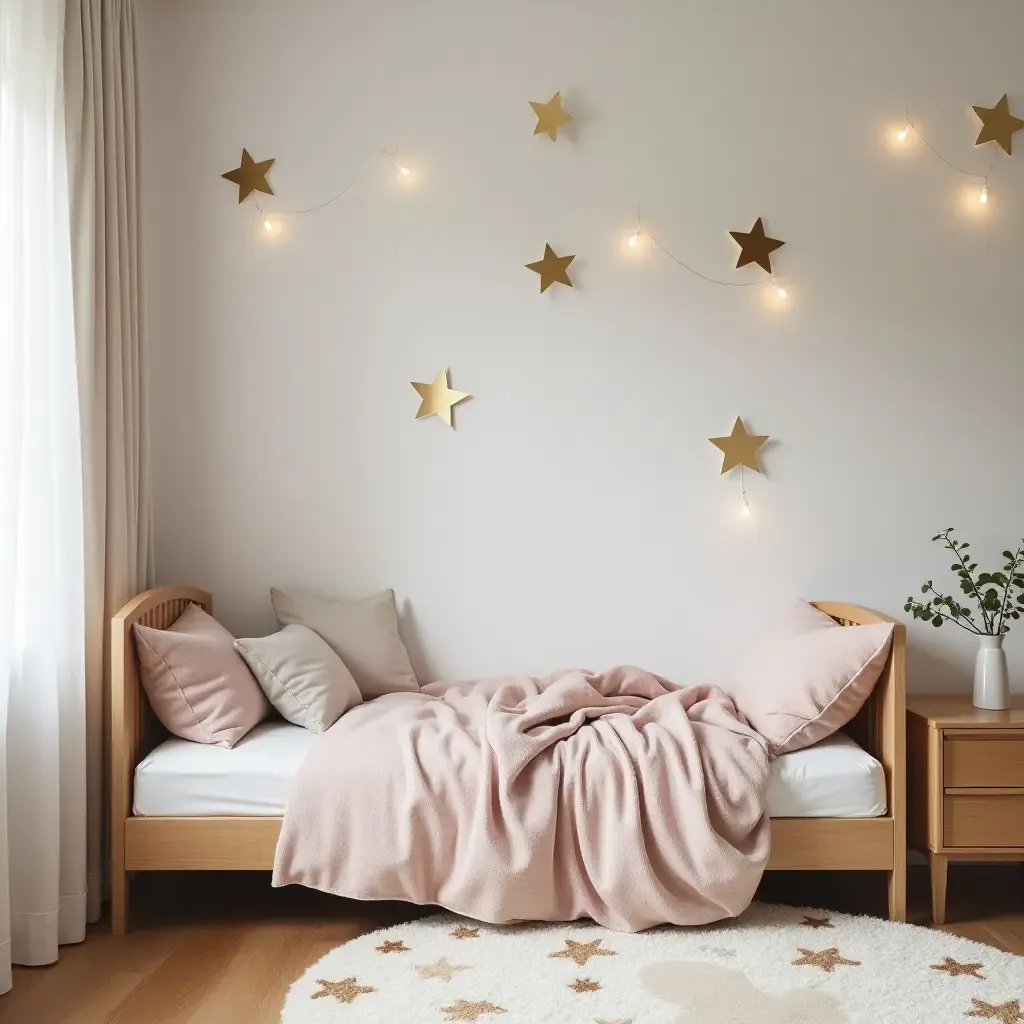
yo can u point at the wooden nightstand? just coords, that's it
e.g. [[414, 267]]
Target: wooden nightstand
[[965, 779]]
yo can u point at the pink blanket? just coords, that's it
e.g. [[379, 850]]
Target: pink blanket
[[618, 796]]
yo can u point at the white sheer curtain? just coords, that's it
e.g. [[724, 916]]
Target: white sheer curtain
[[42, 674]]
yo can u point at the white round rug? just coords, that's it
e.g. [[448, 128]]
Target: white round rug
[[773, 965]]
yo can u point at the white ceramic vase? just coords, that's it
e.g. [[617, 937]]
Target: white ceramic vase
[[991, 680]]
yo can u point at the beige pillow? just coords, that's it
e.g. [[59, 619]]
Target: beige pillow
[[808, 677], [302, 676], [364, 634], [196, 682]]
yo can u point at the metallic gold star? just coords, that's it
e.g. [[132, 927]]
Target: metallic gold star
[[827, 959], [816, 922], [392, 947], [585, 985], [756, 246], [462, 932], [740, 448], [1005, 1013], [553, 269], [998, 125], [462, 1010], [954, 970], [250, 176], [438, 398], [440, 969], [344, 991], [550, 116], [581, 952]]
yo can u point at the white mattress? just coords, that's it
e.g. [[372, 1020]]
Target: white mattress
[[833, 779]]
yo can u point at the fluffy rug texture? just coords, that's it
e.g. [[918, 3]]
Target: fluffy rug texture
[[772, 965]]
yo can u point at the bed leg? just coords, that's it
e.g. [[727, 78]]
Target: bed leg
[[898, 890], [118, 900]]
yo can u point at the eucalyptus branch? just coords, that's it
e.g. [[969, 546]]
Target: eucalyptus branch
[[956, 549], [943, 599], [1011, 576]]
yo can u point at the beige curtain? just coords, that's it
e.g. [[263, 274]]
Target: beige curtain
[[103, 158]]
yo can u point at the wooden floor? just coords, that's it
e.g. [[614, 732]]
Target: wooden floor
[[221, 949]]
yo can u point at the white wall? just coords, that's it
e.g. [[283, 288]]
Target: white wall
[[576, 515]]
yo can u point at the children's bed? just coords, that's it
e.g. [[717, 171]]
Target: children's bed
[[181, 806]]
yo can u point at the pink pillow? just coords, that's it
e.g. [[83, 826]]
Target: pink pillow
[[197, 683], [809, 677]]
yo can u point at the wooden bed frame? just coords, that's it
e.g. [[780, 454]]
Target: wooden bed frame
[[247, 843]]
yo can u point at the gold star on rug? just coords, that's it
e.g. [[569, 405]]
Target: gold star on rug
[[954, 970], [440, 969], [550, 116], [585, 985], [581, 952], [998, 124], [601, 1020], [392, 947], [816, 922], [740, 448], [438, 398], [462, 1010], [344, 991], [553, 269], [756, 246], [1005, 1013], [250, 176], [462, 932], [827, 959]]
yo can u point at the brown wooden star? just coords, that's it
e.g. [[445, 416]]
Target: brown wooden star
[[740, 448], [550, 116], [392, 947], [585, 985], [462, 932], [553, 269], [827, 959], [1005, 1013], [756, 246], [581, 952], [250, 176], [998, 125], [344, 991], [955, 970], [463, 1010], [816, 922]]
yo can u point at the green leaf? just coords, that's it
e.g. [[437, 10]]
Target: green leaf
[[1008, 554], [964, 545], [937, 621]]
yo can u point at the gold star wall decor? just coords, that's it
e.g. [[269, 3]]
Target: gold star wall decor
[[553, 269], [550, 116], [827, 959], [250, 176], [998, 125], [437, 400], [740, 448], [755, 246]]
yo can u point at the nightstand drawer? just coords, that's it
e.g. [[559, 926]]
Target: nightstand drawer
[[992, 819], [981, 761]]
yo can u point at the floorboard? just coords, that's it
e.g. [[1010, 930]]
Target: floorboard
[[208, 949]]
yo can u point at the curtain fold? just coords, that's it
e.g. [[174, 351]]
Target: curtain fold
[[43, 806], [103, 157]]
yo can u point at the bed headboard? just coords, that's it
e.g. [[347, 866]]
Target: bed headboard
[[134, 729], [880, 727]]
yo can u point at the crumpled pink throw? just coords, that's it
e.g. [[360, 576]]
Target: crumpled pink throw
[[618, 796]]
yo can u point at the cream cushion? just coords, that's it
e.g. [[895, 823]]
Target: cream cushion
[[808, 677], [363, 633], [302, 676], [196, 682]]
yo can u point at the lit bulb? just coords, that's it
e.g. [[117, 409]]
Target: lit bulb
[[746, 509], [781, 292], [633, 239], [404, 171], [267, 224], [902, 134], [983, 198]]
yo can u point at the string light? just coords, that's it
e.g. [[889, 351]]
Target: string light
[[912, 129], [641, 228], [404, 171], [745, 510], [267, 224], [983, 198], [901, 136]]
